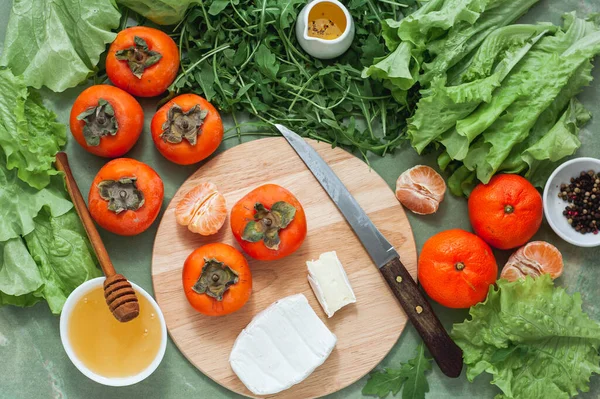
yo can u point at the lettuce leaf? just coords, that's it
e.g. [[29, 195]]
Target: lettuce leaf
[[464, 38], [29, 134], [166, 12], [44, 251], [63, 255], [20, 278], [561, 141], [437, 37], [57, 43], [22, 203], [398, 68], [515, 163], [531, 89], [48, 263], [442, 106], [533, 338]]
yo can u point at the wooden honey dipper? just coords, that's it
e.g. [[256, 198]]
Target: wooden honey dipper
[[118, 292]]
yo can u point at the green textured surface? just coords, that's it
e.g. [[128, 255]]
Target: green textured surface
[[33, 363]]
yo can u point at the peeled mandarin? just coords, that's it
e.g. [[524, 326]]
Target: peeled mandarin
[[421, 189], [203, 209], [534, 259]]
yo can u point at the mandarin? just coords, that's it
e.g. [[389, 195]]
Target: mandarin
[[506, 212], [421, 189], [456, 268], [534, 259]]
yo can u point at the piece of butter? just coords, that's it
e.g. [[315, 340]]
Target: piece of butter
[[329, 282], [281, 346]]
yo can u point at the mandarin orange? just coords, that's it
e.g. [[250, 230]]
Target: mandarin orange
[[421, 189], [506, 212], [456, 268], [534, 259]]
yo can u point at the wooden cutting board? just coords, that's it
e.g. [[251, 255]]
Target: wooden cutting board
[[366, 330]]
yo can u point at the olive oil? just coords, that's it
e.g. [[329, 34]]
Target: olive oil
[[326, 21], [110, 348]]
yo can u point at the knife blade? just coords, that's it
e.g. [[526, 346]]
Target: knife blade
[[445, 352]]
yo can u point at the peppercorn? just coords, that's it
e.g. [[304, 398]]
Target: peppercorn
[[583, 204]]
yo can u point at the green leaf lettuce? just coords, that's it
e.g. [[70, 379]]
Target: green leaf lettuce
[[165, 12], [29, 135], [533, 338], [57, 43]]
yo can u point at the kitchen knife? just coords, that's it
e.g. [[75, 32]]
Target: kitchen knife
[[445, 352]]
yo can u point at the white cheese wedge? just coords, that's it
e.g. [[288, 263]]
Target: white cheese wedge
[[329, 281], [281, 346]]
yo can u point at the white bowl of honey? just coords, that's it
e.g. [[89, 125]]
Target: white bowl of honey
[[105, 350], [325, 29]]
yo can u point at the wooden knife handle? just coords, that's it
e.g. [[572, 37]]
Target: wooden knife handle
[[445, 352]]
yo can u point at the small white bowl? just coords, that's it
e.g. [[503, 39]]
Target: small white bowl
[[72, 300], [554, 206], [321, 48]]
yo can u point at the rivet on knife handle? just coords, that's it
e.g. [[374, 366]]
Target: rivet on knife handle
[[445, 352]]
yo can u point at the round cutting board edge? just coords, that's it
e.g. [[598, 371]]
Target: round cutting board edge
[[371, 191]]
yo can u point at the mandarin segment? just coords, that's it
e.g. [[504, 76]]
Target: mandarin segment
[[203, 209], [534, 259], [421, 189]]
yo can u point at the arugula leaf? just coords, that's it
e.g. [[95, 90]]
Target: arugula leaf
[[57, 43], [416, 385], [266, 62], [410, 375], [383, 382], [244, 56], [533, 338], [218, 5]]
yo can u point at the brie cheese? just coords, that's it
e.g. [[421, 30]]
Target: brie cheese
[[329, 281], [281, 346]]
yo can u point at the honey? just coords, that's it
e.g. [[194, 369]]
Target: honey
[[326, 21], [110, 348]]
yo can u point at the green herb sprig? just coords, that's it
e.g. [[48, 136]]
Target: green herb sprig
[[243, 56], [410, 375]]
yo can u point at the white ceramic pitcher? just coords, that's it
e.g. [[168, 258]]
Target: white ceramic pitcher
[[321, 48]]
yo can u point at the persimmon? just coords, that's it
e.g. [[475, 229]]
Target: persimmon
[[216, 279], [142, 61], [269, 222], [106, 121], [456, 268], [126, 196], [187, 129]]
